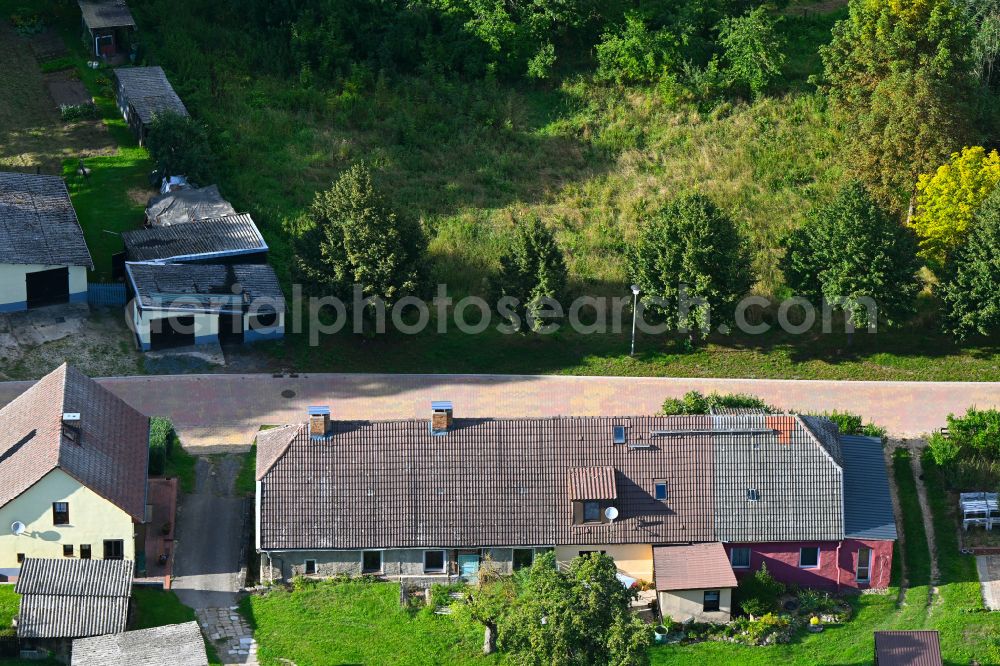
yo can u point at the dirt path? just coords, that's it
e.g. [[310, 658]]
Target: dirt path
[[916, 448]]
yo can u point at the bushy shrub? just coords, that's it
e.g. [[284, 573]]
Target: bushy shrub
[[753, 49], [636, 54], [71, 112], [533, 271], [853, 424], [694, 402], [180, 147], [816, 602], [758, 594], [161, 442], [968, 455], [764, 630], [27, 22]]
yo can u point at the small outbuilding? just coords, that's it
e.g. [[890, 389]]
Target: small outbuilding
[[907, 648], [142, 93], [62, 599], [694, 582], [189, 204], [174, 644], [43, 254], [190, 304], [220, 240], [108, 27]]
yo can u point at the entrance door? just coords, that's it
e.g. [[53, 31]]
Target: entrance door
[[231, 328], [468, 565], [170, 332], [47, 287]]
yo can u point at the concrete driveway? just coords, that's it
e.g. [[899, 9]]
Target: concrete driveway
[[209, 525]]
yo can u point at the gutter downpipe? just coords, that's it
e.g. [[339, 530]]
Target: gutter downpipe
[[839, 544]]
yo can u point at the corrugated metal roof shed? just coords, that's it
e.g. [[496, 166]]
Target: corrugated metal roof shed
[[228, 236], [207, 288], [868, 512], [98, 14], [149, 92]]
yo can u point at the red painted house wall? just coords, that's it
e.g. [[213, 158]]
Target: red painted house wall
[[782, 561]]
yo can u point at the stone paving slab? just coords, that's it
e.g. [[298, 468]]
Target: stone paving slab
[[988, 567], [240, 403], [230, 634]]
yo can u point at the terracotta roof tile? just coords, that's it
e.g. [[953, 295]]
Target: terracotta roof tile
[[694, 567], [108, 452], [592, 483]]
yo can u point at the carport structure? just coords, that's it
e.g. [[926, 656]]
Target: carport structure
[[43, 254]]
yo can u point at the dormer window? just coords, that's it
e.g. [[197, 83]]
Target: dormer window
[[753, 494], [591, 512], [592, 492], [619, 434], [660, 490]]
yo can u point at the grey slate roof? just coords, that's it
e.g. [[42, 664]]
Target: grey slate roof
[[106, 14], [868, 510], [507, 482], [110, 452], [149, 92], [188, 205], [228, 236], [70, 598], [212, 287], [174, 644], [38, 224], [799, 483]]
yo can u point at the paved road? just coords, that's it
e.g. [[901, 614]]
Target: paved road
[[209, 525], [231, 407]]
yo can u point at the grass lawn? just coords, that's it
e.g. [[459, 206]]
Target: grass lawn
[[246, 480], [8, 605], [356, 623], [181, 465]]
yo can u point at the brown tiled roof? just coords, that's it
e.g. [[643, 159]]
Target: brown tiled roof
[[907, 648], [485, 483], [111, 451], [592, 483], [271, 444], [693, 567], [503, 482]]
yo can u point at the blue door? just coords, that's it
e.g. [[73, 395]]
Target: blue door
[[468, 565]]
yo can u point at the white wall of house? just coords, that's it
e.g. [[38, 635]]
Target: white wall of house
[[635, 560], [14, 289], [92, 519], [683, 605], [206, 326]]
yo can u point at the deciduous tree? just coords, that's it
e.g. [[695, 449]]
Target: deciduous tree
[[948, 198], [753, 49], [970, 290], [852, 250], [691, 265], [179, 145], [900, 75]]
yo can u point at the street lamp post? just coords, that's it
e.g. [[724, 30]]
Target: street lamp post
[[635, 311]]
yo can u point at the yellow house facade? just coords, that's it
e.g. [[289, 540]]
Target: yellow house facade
[[93, 527]]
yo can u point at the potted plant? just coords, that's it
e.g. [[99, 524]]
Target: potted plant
[[660, 633], [814, 625]]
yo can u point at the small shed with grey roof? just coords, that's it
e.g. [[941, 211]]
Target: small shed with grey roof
[[144, 92], [174, 644], [108, 26], [43, 254], [73, 598], [218, 240], [907, 648], [182, 304]]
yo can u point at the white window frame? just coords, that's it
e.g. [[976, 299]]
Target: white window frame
[[614, 434], [666, 490], [857, 568], [305, 567], [381, 561], [739, 566], [819, 553], [444, 561]]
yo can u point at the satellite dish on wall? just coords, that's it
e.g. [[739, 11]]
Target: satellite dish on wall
[[18, 528], [611, 513]]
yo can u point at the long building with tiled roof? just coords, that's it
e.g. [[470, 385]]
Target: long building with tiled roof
[[378, 496]]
